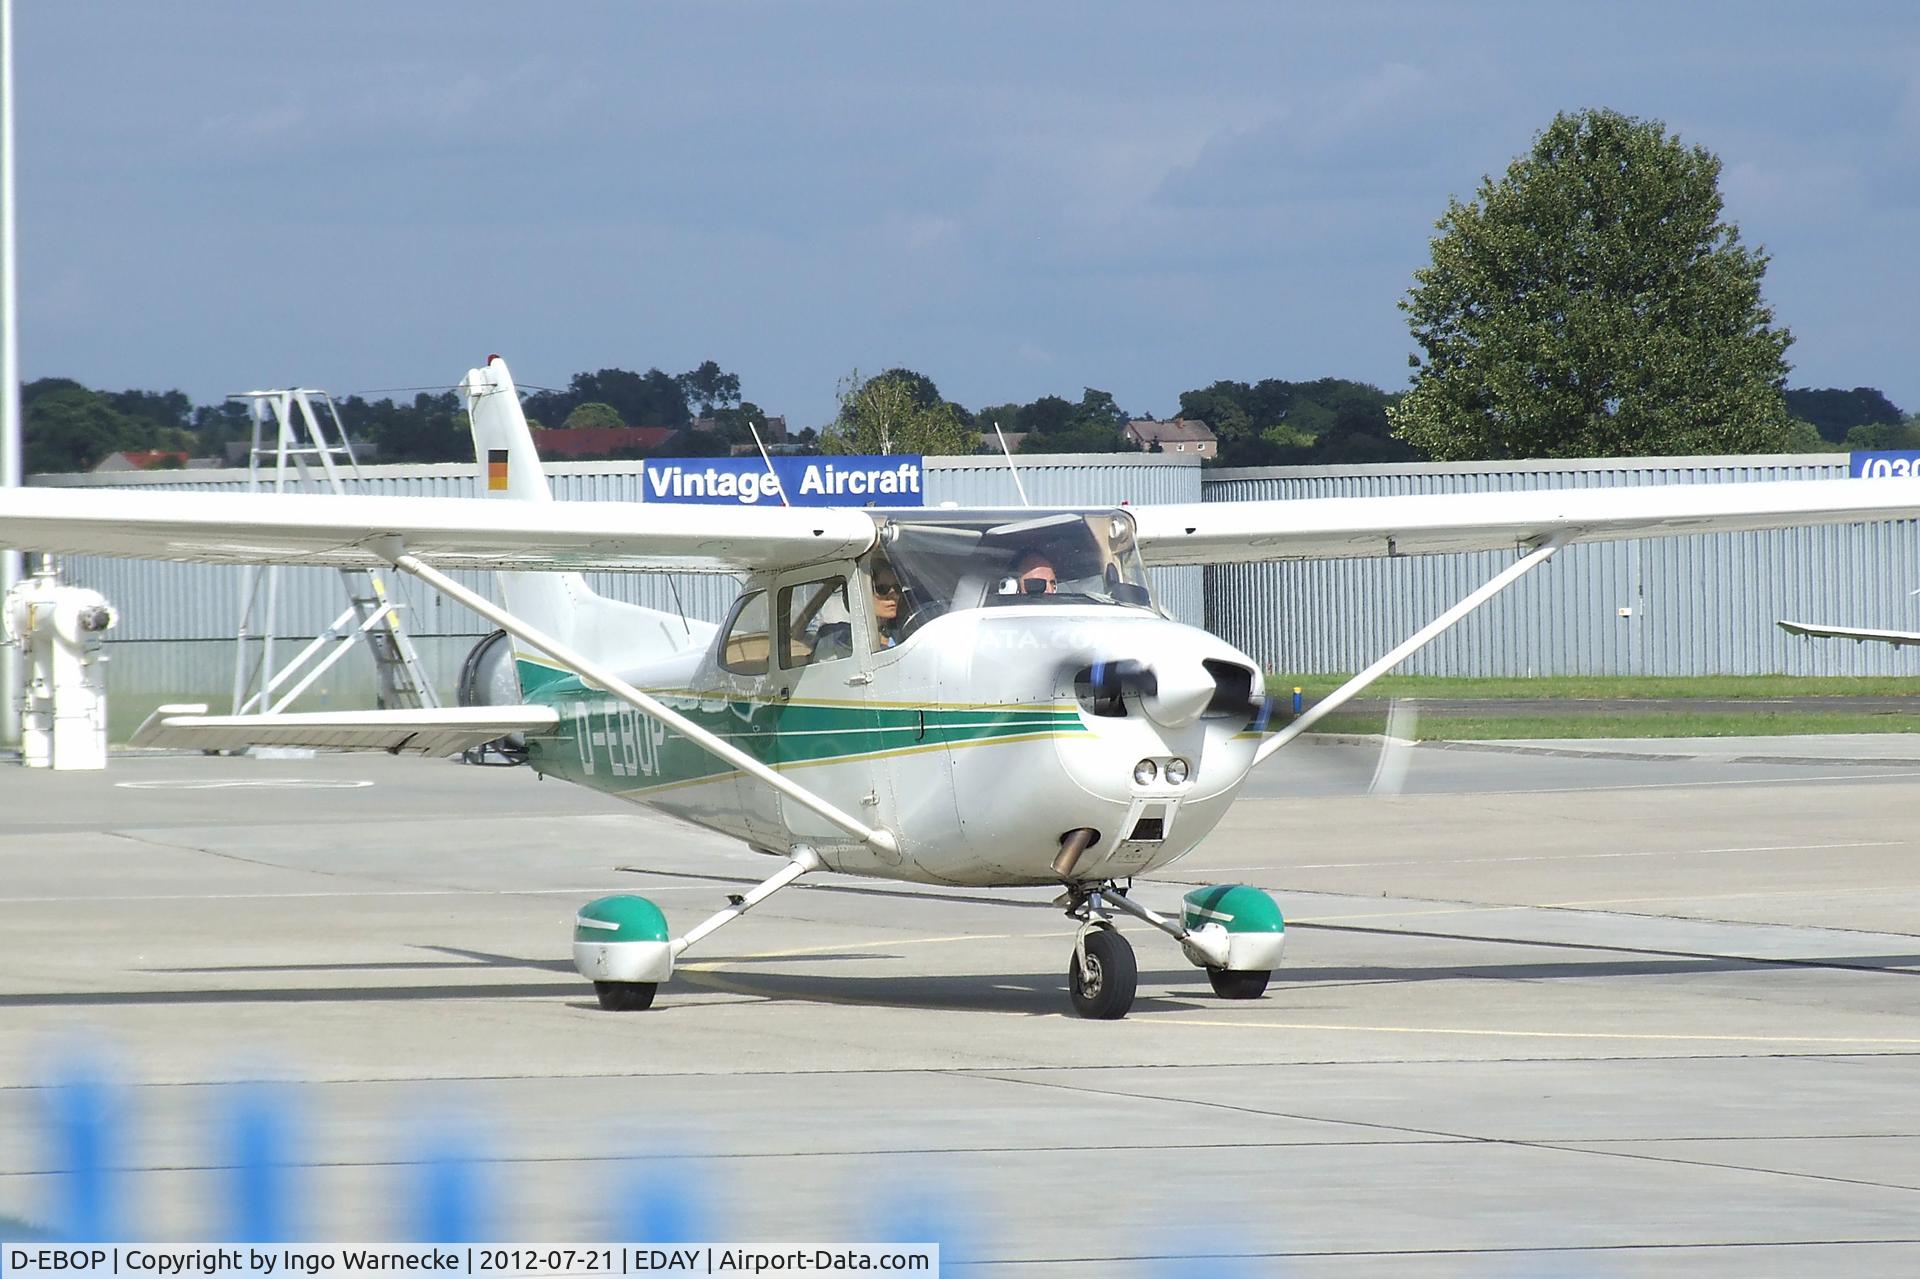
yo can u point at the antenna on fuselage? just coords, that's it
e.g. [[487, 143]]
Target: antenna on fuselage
[[778, 487], [1008, 454]]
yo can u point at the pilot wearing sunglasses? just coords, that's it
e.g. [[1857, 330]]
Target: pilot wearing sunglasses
[[886, 605]]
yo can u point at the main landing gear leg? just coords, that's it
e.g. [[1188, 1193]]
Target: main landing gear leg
[[621, 944]]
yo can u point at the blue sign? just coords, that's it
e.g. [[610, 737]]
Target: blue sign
[[1901, 463], [804, 481]]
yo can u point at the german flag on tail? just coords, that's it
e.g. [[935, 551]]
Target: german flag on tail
[[496, 470]]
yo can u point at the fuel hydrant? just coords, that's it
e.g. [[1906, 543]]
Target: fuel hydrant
[[60, 631]]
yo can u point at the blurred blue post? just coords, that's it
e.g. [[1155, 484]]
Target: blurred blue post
[[260, 1160], [83, 1136], [1299, 702], [659, 1208], [449, 1201], [912, 1217]]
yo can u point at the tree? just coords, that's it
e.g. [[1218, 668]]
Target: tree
[[66, 427], [1095, 425], [710, 388], [1278, 423], [1885, 435], [593, 414], [431, 429], [1593, 303], [884, 415], [925, 393], [652, 398], [1834, 412]]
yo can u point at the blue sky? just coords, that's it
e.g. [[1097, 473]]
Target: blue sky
[[1014, 198]]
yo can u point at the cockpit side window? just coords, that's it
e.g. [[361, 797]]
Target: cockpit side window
[[815, 623], [748, 643]]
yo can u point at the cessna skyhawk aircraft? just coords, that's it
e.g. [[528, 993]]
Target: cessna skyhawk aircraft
[[987, 698]]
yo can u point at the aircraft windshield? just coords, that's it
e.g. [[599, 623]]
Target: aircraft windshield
[[975, 560]]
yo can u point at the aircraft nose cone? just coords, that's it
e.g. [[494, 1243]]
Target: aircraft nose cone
[[1180, 690]]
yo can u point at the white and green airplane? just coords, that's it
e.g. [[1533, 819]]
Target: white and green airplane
[[987, 698]]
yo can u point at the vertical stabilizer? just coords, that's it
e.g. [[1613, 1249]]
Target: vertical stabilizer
[[561, 604], [502, 442]]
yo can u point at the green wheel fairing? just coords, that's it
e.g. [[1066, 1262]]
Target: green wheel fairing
[[1256, 936], [1238, 908], [620, 918], [622, 940]]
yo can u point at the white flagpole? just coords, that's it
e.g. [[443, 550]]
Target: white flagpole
[[9, 368]]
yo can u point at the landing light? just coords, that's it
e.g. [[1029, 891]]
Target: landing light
[[1144, 772], [1176, 771]]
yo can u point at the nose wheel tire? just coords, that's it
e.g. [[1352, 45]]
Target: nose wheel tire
[[625, 996], [1102, 989], [1229, 983]]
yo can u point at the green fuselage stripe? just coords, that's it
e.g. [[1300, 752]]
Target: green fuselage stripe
[[602, 742]]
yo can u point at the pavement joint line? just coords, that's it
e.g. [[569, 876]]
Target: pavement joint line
[[1714, 897], [599, 890], [1654, 757], [1488, 1032], [1077, 1068], [1576, 1145], [878, 1152], [1444, 907], [1405, 864], [1327, 922], [232, 857], [1509, 1142], [1694, 785], [1793, 1174]]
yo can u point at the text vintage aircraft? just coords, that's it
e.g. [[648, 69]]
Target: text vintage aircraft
[[986, 698]]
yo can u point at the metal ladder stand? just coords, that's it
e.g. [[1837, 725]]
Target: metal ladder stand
[[301, 441]]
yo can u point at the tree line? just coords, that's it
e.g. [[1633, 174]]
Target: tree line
[[1591, 302], [1272, 422]]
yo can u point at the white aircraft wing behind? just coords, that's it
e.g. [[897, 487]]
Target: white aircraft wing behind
[[444, 731], [1428, 524], [1863, 634], [446, 532]]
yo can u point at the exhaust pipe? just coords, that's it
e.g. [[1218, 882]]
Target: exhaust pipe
[[1072, 845]]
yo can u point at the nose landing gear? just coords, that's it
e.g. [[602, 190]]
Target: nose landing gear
[[1233, 931], [1102, 975]]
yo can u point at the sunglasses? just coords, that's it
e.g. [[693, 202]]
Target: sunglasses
[[886, 590]]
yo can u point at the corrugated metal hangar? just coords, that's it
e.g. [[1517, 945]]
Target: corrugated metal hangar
[[1675, 606]]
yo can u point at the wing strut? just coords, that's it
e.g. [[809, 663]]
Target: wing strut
[[1412, 644], [880, 840]]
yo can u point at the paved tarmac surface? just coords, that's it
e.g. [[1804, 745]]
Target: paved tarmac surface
[[1542, 1014]]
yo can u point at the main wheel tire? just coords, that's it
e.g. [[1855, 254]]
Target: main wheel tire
[[1105, 991], [625, 996], [1230, 983]]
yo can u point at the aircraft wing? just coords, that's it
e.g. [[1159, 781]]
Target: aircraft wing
[[1428, 524], [1863, 634], [446, 532], [413, 732]]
